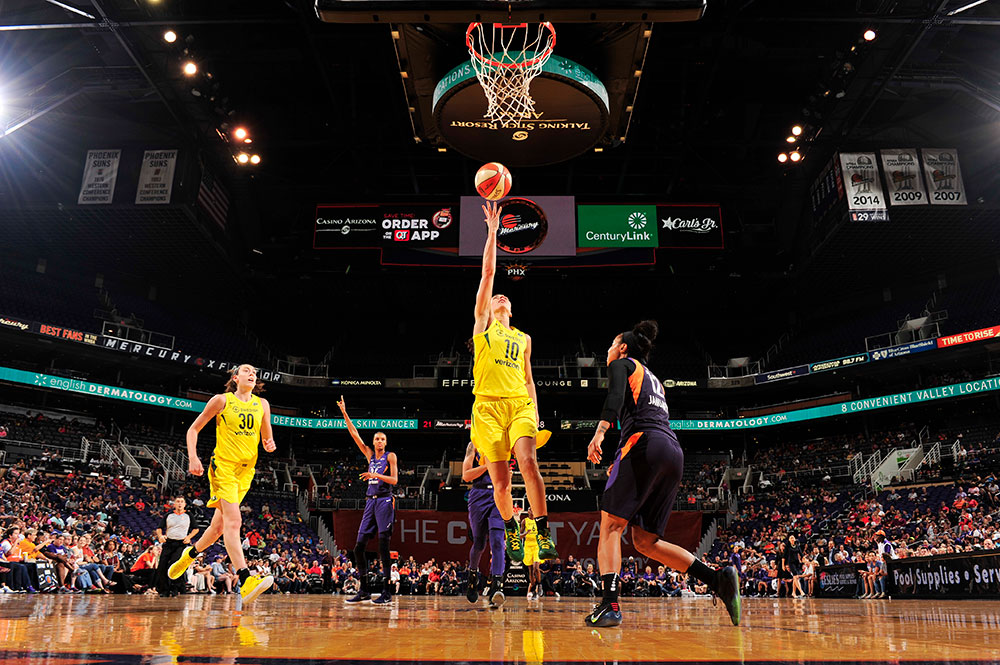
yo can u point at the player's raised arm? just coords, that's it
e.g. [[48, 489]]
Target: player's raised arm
[[492, 211], [469, 471], [213, 408], [266, 433], [362, 446], [529, 380]]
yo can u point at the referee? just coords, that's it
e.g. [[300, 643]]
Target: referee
[[175, 534]]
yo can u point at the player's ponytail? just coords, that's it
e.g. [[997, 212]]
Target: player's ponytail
[[640, 339]]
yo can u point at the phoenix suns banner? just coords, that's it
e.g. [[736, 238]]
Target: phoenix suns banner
[[99, 176]]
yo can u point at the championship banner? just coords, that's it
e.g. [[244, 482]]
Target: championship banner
[[948, 576], [444, 535], [99, 176], [902, 177], [156, 177], [838, 581], [690, 226], [865, 199], [966, 337], [944, 177]]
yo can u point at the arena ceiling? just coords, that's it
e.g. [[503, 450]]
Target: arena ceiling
[[329, 118]]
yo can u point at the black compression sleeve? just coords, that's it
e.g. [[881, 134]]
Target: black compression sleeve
[[618, 373]]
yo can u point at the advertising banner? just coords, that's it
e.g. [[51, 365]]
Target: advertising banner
[[340, 226], [156, 177], [420, 225], [616, 226], [865, 199], [558, 500], [948, 576], [904, 349], [358, 383], [838, 363], [944, 176], [99, 175], [690, 226], [444, 535], [530, 227], [902, 177], [781, 374], [586, 384], [838, 581], [966, 337]]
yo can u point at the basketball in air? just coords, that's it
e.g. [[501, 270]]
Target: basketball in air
[[493, 181]]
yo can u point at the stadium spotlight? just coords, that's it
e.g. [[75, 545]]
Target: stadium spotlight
[[790, 139], [170, 36], [795, 156], [782, 158], [255, 159], [869, 35], [240, 133], [242, 158], [190, 69], [797, 130]]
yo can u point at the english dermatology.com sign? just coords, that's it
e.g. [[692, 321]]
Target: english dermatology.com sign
[[857, 406]]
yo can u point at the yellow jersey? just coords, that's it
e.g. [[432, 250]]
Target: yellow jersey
[[530, 532], [498, 368], [237, 429]]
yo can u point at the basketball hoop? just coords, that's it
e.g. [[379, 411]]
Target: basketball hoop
[[506, 58]]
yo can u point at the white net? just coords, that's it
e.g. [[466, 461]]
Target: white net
[[506, 58]]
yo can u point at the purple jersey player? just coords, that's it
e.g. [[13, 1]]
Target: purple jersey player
[[487, 528], [380, 509], [644, 477]]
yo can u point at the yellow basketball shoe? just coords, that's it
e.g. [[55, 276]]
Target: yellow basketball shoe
[[254, 586], [178, 567]]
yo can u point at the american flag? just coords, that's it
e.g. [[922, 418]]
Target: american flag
[[212, 197]]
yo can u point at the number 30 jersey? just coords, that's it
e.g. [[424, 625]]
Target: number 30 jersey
[[498, 368], [237, 429]]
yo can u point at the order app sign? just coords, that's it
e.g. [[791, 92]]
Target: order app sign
[[616, 226]]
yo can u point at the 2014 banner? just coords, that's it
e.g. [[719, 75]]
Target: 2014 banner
[[865, 198], [99, 176]]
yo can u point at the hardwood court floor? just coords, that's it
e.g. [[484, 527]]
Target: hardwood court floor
[[293, 629]]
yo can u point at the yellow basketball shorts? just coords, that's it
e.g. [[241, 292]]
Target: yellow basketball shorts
[[497, 424], [531, 554], [228, 481]]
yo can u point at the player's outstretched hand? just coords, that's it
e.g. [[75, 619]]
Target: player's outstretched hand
[[342, 405], [194, 466], [269, 445], [594, 449], [492, 211]]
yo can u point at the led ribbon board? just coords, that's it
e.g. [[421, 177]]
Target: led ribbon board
[[965, 389], [183, 404]]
